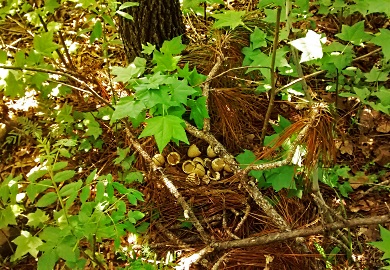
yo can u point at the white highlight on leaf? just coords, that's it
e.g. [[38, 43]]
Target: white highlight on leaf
[[310, 46]]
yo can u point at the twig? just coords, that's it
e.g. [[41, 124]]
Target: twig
[[244, 218], [282, 236], [220, 260], [170, 235], [185, 263], [224, 225], [206, 91], [273, 78]]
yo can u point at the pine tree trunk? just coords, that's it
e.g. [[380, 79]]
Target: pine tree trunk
[[154, 21]]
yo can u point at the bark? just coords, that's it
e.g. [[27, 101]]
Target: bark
[[154, 21]]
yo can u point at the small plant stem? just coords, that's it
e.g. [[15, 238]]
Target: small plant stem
[[206, 92], [273, 78], [62, 58]]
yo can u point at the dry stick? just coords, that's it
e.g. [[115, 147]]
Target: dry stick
[[206, 91], [170, 235], [220, 260], [281, 236], [244, 218], [273, 74], [171, 187]]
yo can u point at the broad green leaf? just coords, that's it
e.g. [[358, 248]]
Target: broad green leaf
[[67, 252], [271, 15], [91, 177], [44, 44], [383, 245], [354, 34], [93, 126], [134, 176], [153, 97], [97, 32], [127, 107], [383, 40], [380, 6], [384, 96], [3, 56], [198, 111], [47, 260], [122, 153], [164, 129], [258, 38], [85, 192], [173, 46], [34, 189], [133, 70], [134, 216], [121, 188], [281, 177], [164, 62], [100, 189], [180, 90], [51, 5], [59, 165], [26, 243], [71, 188], [376, 75], [148, 49], [47, 199], [63, 176], [36, 175], [13, 87], [230, 19], [310, 46], [7, 217], [37, 218]]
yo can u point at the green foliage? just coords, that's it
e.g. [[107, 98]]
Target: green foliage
[[384, 246], [330, 258], [331, 177]]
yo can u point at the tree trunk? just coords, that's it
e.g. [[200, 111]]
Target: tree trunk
[[154, 21]]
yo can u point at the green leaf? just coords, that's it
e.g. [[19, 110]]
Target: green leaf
[[59, 165], [281, 177], [380, 6], [134, 216], [47, 199], [376, 75], [148, 49], [97, 32], [44, 44], [164, 62], [258, 38], [72, 188], [122, 153], [48, 260], [128, 4], [13, 87], [85, 192], [37, 218], [3, 57], [180, 90], [198, 111], [383, 40], [63, 176], [124, 15], [36, 175], [354, 34], [67, 252], [230, 19], [134, 70], [93, 126], [134, 176], [164, 129], [7, 217], [127, 107], [310, 46], [384, 96], [383, 245], [173, 46], [26, 243]]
